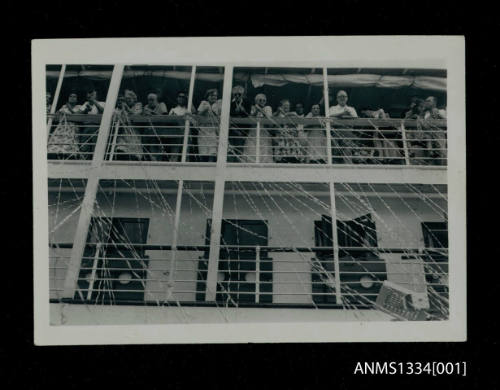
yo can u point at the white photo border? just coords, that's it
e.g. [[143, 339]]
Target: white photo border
[[345, 51]]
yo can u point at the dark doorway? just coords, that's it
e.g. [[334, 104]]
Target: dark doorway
[[240, 279], [114, 264], [361, 270], [436, 266]]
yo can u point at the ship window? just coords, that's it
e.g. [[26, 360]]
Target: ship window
[[238, 276], [356, 233], [435, 234], [436, 264], [114, 264]]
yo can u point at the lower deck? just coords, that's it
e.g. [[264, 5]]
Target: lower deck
[[151, 244]]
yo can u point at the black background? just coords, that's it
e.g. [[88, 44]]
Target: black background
[[240, 366]]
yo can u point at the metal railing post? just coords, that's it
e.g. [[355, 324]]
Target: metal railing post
[[326, 98], [257, 143], [56, 99], [405, 143], [257, 274], [113, 142], [189, 109], [335, 243], [94, 270]]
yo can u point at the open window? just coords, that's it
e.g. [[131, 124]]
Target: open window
[[114, 265]]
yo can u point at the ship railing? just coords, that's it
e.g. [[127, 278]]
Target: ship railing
[[291, 140], [352, 141], [247, 275], [72, 137]]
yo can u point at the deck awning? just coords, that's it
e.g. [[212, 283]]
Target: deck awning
[[278, 80], [352, 80]]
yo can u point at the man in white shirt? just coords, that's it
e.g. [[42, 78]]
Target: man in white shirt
[[175, 140], [154, 107], [342, 110], [181, 108], [437, 147], [431, 110], [344, 150], [92, 106], [88, 137]]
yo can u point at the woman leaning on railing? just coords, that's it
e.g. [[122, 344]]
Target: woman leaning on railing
[[264, 154], [289, 140], [208, 134], [128, 141], [63, 142], [316, 138]]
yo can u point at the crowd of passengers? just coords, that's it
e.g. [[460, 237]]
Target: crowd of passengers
[[284, 142]]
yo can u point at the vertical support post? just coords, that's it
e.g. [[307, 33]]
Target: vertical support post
[[335, 242], [405, 143], [94, 270], [56, 98], [173, 260], [113, 142], [88, 201], [213, 260], [257, 274], [257, 143], [224, 119], [326, 98], [189, 109]]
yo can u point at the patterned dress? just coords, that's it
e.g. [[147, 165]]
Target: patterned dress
[[316, 142], [208, 134], [289, 143], [265, 140], [128, 140], [64, 139]]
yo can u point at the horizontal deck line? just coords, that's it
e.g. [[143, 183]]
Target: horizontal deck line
[[292, 120], [254, 172]]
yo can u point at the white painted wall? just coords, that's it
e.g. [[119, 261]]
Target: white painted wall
[[290, 220]]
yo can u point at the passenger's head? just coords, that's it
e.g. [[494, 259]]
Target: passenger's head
[[119, 100], [285, 105], [260, 99], [212, 95], [342, 97], [237, 92], [430, 102], [130, 97], [299, 108], [181, 99], [315, 110], [91, 94], [73, 97], [152, 99], [419, 106], [413, 101]]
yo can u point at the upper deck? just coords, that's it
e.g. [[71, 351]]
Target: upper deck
[[200, 144]]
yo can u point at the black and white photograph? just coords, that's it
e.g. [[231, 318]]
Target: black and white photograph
[[249, 195]]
